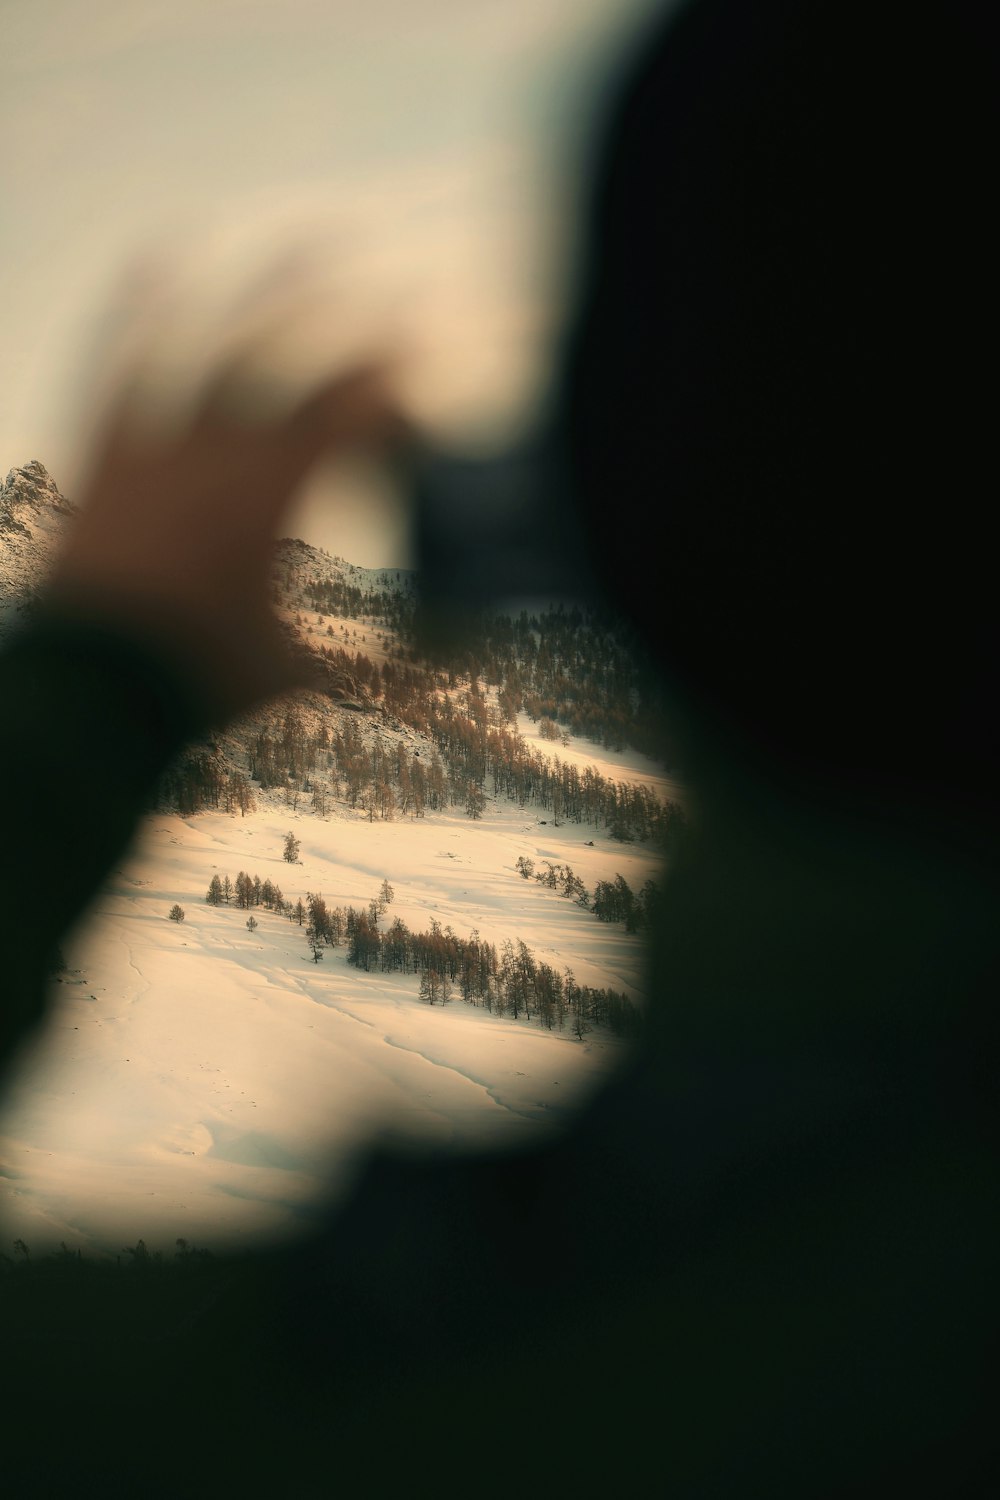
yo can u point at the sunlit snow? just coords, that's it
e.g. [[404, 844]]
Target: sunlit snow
[[205, 1081]]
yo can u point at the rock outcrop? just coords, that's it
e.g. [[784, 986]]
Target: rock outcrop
[[33, 516]]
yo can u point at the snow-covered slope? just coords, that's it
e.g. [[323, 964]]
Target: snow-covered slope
[[205, 1081]]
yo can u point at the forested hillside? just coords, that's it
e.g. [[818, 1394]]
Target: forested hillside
[[397, 736]]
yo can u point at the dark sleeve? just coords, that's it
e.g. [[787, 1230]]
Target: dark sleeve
[[89, 720]]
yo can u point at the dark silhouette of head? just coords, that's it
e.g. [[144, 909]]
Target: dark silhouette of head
[[773, 412]]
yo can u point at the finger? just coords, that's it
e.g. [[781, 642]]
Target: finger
[[355, 409]]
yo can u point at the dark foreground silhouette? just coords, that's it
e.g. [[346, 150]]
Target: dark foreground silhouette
[[764, 1260]]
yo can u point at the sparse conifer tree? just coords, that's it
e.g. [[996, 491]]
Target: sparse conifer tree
[[430, 986], [242, 793]]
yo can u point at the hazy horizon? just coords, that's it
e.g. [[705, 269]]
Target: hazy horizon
[[432, 168]]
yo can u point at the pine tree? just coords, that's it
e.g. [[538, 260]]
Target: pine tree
[[241, 793], [430, 986], [291, 849]]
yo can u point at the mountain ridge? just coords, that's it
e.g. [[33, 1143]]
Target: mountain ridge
[[379, 725]]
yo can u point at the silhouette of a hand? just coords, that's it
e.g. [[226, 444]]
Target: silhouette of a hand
[[174, 540]]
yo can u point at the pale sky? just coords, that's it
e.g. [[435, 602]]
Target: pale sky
[[425, 152]]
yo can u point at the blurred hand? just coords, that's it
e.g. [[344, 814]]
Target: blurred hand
[[174, 541]]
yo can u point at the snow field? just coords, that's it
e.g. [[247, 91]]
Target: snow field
[[199, 1080]]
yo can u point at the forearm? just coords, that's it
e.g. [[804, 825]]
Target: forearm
[[89, 722]]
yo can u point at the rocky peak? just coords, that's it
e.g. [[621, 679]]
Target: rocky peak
[[33, 517], [29, 493]]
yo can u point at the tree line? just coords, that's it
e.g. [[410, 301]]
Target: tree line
[[389, 606], [610, 901], [201, 777], [466, 764], [508, 981], [471, 757], [505, 981], [578, 665], [52, 1265], [572, 667]]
